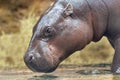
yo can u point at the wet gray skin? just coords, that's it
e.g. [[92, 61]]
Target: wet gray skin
[[68, 26]]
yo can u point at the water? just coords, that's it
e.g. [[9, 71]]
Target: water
[[63, 73]]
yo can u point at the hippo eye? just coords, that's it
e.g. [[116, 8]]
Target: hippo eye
[[48, 32]]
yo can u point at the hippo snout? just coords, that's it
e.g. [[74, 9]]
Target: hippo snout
[[38, 63]]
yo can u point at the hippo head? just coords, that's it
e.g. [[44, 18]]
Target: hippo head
[[58, 34]]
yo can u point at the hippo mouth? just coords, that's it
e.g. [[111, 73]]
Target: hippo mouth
[[36, 68], [40, 64]]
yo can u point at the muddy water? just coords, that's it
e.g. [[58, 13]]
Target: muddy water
[[63, 73]]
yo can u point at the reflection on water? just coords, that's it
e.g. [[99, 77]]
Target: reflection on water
[[68, 73], [87, 72], [43, 77], [85, 77]]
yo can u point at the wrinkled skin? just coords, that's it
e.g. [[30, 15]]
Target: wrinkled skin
[[68, 26]]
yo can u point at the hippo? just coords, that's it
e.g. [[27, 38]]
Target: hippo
[[68, 26]]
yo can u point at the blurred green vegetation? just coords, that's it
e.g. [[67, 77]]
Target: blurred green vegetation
[[17, 18]]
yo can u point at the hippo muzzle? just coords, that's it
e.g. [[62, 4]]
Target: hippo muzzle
[[39, 64], [42, 59]]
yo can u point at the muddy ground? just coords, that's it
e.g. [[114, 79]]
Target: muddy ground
[[69, 72]]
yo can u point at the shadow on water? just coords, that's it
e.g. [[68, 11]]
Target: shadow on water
[[43, 77]]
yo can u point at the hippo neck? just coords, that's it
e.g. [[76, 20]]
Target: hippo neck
[[100, 15]]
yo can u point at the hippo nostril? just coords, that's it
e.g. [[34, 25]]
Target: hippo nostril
[[31, 57]]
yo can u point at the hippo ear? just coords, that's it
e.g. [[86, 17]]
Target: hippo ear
[[68, 10]]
